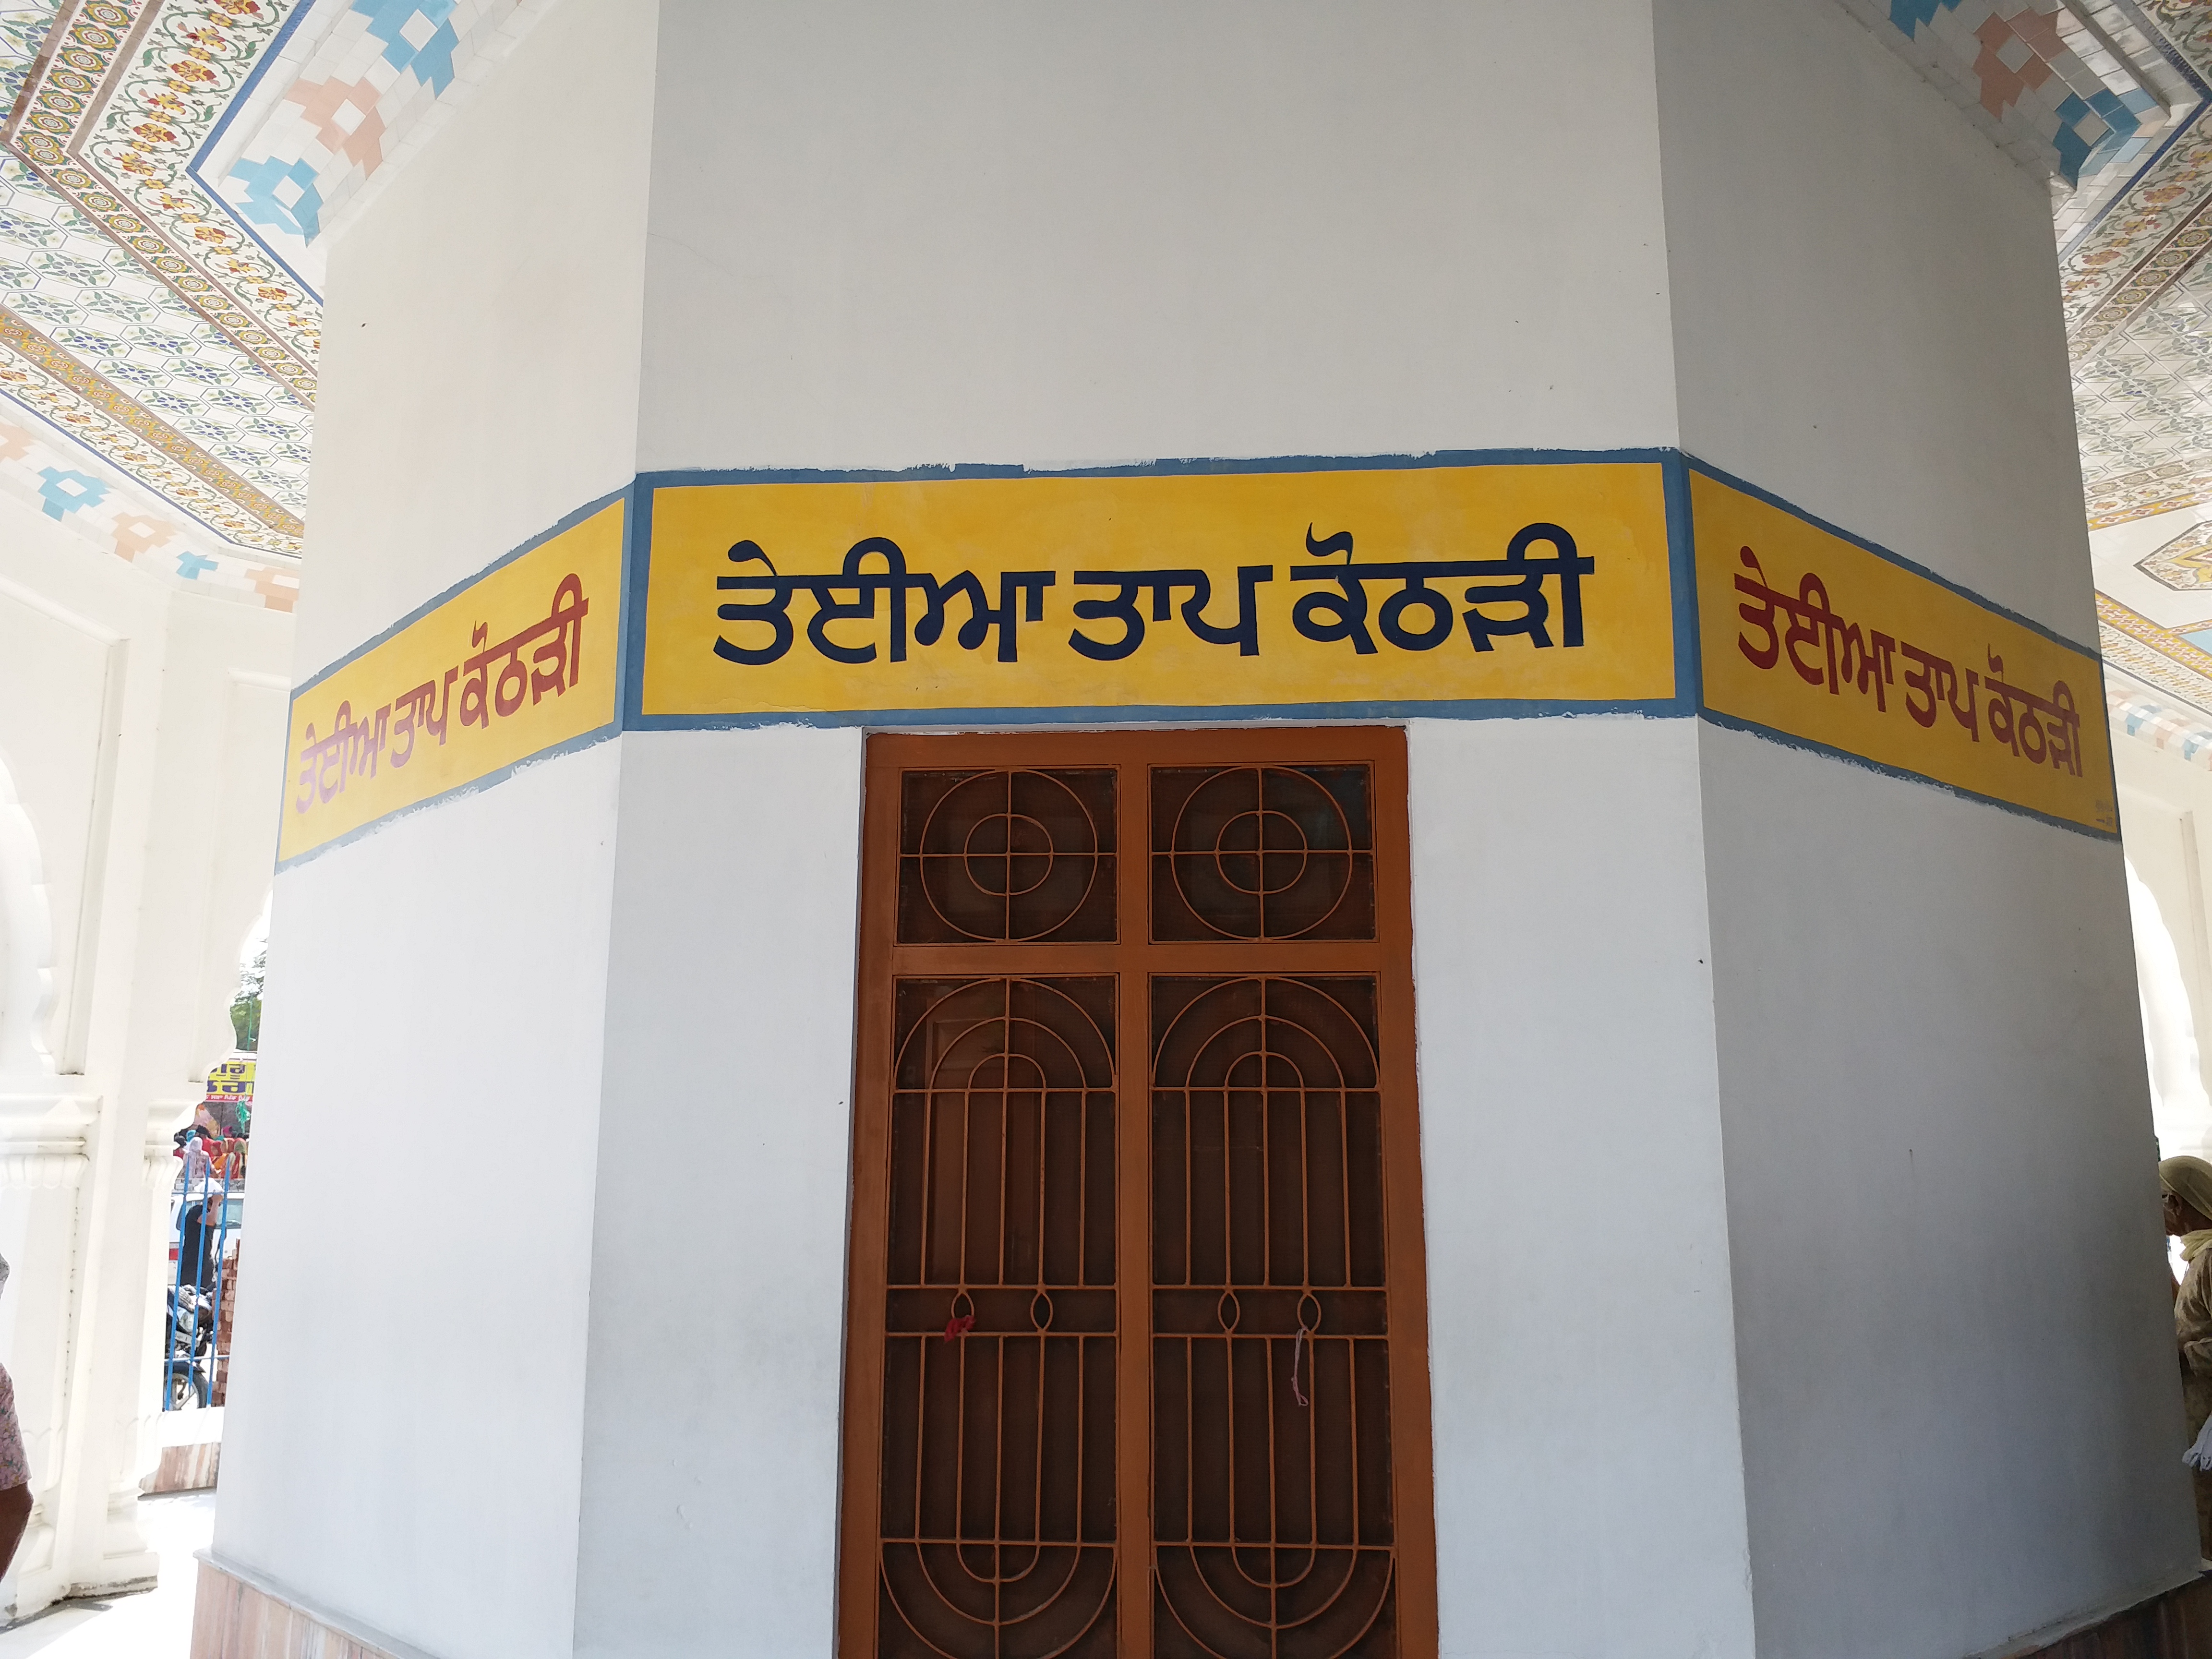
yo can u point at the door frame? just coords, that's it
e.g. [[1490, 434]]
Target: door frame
[[1134, 959]]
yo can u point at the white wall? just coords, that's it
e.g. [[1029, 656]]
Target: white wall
[[55, 676], [408, 1393], [1956, 1367], [402, 1443], [2166, 821], [26, 939], [1589, 1480], [718, 1280], [1866, 315], [2180, 1111], [886, 233], [479, 369], [712, 1424], [1961, 1421], [880, 235]]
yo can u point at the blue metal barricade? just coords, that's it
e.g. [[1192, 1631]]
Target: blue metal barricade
[[205, 1208]]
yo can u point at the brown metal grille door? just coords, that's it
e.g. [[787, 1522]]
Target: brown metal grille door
[[1262, 851], [1005, 854], [1136, 1361], [1271, 1369], [998, 1467]]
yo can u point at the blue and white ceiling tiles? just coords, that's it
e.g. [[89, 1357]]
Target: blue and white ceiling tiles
[[2107, 100], [170, 171]]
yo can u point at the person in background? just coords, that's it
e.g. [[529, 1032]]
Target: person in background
[[15, 1467], [2186, 1184], [198, 1244]]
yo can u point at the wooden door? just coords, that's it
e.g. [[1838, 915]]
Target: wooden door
[[1137, 1358]]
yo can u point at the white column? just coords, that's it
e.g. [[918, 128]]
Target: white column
[[44, 1164], [140, 738], [1694, 1003]]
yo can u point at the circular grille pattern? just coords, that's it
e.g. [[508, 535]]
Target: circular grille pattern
[[1007, 1455], [1007, 857], [1262, 852]]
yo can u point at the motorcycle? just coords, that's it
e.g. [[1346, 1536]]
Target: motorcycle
[[188, 1369]]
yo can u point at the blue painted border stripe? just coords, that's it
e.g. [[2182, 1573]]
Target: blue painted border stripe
[[1682, 554], [1791, 740], [1303, 714], [1886, 555], [637, 572], [567, 745], [1205, 467], [568, 523], [1675, 469], [598, 735]]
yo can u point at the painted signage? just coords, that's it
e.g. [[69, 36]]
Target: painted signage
[[1457, 586], [520, 660], [1811, 635], [231, 1081], [1394, 587], [229, 1099]]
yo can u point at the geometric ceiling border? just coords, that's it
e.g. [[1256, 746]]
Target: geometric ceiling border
[[2121, 260], [2156, 655], [284, 58], [81, 401], [101, 509], [111, 116], [2146, 492], [366, 95], [2140, 714], [2018, 75], [2131, 253], [2184, 563], [2165, 262], [2187, 52], [2185, 24], [2155, 670]]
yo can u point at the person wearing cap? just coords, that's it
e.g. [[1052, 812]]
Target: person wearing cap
[[2187, 1184]]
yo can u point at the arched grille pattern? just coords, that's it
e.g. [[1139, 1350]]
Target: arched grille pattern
[[1136, 1363], [998, 1483], [1271, 1371]]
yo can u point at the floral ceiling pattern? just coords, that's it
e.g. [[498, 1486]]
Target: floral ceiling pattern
[[169, 170], [2136, 285], [2133, 218]]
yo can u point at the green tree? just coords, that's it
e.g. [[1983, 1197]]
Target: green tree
[[246, 1006]]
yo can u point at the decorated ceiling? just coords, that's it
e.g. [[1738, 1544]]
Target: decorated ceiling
[[2108, 99], [170, 171]]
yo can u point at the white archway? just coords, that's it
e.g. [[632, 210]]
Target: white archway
[[2181, 1112], [27, 977]]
